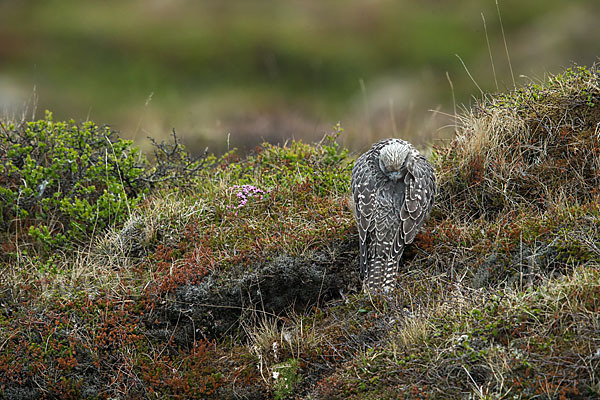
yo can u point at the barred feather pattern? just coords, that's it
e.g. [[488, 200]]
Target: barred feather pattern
[[389, 212]]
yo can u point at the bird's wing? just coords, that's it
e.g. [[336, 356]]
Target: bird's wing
[[418, 196], [364, 191]]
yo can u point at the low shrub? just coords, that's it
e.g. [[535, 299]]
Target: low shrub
[[61, 181]]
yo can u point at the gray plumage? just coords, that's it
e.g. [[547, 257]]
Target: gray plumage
[[393, 186]]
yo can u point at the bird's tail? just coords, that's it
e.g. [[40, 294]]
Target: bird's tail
[[391, 274], [382, 274]]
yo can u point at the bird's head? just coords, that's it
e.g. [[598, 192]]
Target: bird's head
[[392, 159]]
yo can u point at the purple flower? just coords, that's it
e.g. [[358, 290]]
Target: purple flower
[[246, 192]]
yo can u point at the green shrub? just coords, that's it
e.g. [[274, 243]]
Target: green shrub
[[322, 168], [60, 181]]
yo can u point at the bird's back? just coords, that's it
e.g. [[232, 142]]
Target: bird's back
[[389, 213]]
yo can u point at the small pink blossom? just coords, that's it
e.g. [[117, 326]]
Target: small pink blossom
[[244, 193]]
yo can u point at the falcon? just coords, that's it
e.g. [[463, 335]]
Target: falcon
[[393, 187]]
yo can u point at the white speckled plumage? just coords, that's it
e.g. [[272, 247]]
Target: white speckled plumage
[[393, 187]]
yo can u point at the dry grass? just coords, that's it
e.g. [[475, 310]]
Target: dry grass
[[533, 148]]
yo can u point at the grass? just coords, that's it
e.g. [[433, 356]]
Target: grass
[[238, 277], [533, 343], [211, 69]]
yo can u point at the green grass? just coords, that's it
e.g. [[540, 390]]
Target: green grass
[[237, 277], [301, 60]]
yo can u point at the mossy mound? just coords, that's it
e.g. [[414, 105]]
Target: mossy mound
[[217, 305], [532, 148]]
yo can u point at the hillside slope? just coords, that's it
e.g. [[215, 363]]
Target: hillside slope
[[238, 278]]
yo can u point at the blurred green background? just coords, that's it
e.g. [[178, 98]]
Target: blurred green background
[[235, 73]]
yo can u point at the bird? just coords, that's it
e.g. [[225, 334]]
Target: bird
[[393, 189]]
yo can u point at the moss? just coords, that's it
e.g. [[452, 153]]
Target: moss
[[286, 376]]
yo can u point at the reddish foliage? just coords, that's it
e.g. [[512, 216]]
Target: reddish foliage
[[195, 374]]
